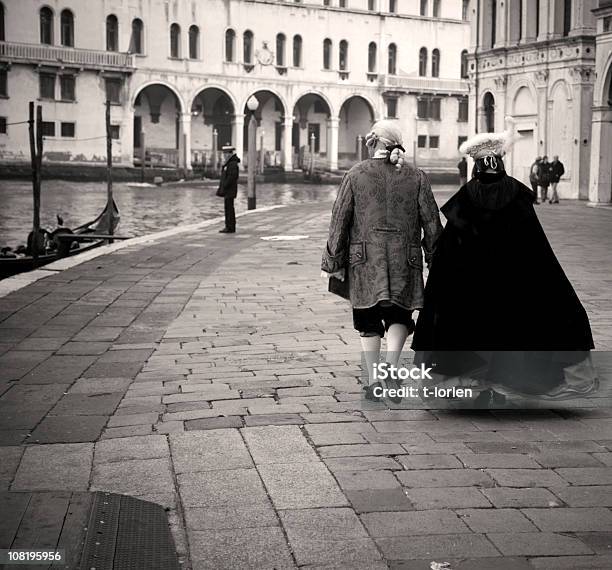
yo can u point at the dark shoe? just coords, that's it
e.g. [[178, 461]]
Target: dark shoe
[[227, 231], [369, 392], [394, 384]]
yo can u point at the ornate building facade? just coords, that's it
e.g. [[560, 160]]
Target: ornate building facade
[[179, 74], [535, 61], [600, 187]]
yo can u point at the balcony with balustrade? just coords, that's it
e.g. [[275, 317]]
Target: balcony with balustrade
[[414, 84], [13, 52]]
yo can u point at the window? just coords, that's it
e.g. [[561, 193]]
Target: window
[[343, 56], [436, 8], [372, 57], [3, 82], [423, 62], [392, 60], [327, 48], [435, 63], [463, 110], [461, 140], [567, 17], [434, 109], [175, 41], [393, 6], [113, 90], [47, 86], [371, 5], [423, 8], [67, 87], [465, 10], [46, 26], [247, 46], [297, 51], [112, 33], [194, 42], [428, 108], [230, 41], [136, 41], [67, 130], [392, 108], [326, 2], [422, 141], [493, 21], [3, 126], [2, 26], [464, 64], [489, 112], [48, 129], [115, 132], [434, 141], [342, 3], [67, 28], [280, 50]]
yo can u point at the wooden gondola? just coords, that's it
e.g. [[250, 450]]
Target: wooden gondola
[[67, 243]]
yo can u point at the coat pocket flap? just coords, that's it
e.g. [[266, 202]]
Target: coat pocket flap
[[415, 256], [357, 253]]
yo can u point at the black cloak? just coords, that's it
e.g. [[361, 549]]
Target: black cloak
[[496, 296]]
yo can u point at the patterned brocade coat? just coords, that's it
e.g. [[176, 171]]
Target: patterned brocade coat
[[378, 219]]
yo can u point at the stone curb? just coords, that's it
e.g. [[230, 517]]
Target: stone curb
[[16, 282]]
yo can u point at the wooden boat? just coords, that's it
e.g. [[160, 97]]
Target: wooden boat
[[67, 243]]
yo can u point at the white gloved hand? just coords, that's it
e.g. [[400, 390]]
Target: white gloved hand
[[337, 274]]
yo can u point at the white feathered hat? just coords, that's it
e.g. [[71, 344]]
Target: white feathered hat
[[491, 144]]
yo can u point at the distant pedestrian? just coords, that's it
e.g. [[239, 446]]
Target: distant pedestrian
[[556, 172], [544, 181], [534, 177], [228, 187], [463, 168]]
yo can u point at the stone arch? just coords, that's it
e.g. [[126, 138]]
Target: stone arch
[[200, 89], [487, 104], [138, 90], [355, 119], [560, 84], [524, 100], [266, 89], [604, 97], [370, 102], [320, 94]]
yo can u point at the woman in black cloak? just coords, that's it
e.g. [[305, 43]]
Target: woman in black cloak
[[481, 317]]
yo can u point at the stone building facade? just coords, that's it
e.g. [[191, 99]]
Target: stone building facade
[[535, 61], [179, 74], [600, 187]]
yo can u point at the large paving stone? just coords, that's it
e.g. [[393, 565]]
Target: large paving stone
[[301, 486], [328, 537], [586, 475], [375, 479], [135, 477], [69, 429], [361, 463], [413, 523], [447, 498], [28, 396], [252, 548], [17, 417], [124, 449], [526, 477], [503, 497], [65, 467], [278, 444], [99, 385], [498, 460], [572, 562], [537, 544], [59, 370], [585, 496], [222, 488], [496, 520], [10, 457], [377, 500], [436, 547], [239, 516], [444, 478], [87, 404], [209, 450], [571, 519], [432, 461]]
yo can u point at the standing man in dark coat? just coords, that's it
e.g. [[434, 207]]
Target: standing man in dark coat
[[463, 168], [544, 181], [480, 318], [556, 172], [534, 177], [228, 187]]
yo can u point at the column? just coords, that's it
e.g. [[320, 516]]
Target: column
[[184, 159], [541, 81], [600, 187], [583, 21], [501, 26], [514, 21], [531, 15], [238, 137], [287, 146], [332, 137], [555, 19], [582, 95], [544, 21]]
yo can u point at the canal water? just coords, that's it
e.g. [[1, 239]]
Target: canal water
[[143, 209]]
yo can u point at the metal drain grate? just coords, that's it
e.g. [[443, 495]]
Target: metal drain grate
[[125, 533]]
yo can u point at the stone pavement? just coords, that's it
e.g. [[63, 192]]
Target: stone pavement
[[215, 375]]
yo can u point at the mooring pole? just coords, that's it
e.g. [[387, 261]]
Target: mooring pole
[[109, 170], [35, 198]]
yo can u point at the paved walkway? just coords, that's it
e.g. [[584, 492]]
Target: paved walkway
[[215, 375]]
